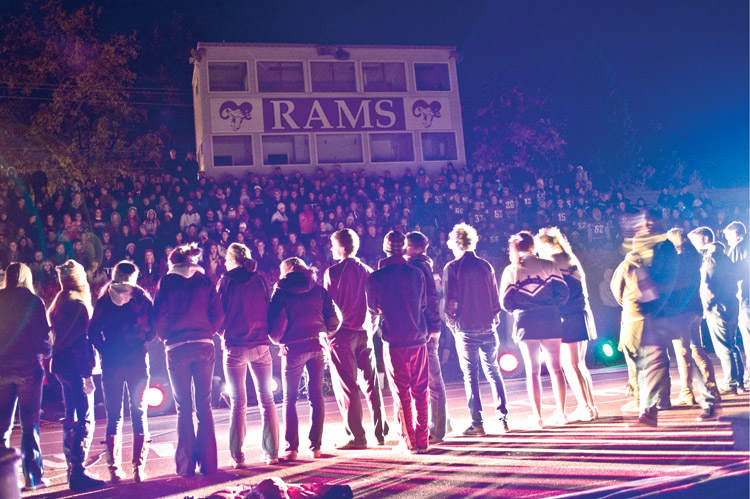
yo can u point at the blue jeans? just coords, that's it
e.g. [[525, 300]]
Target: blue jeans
[[236, 360], [471, 348], [26, 392], [113, 380], [292, 365], [438, 398], [78, 425], [192, 365], [723, 333]]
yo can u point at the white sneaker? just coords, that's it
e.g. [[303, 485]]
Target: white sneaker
[[582, 414]]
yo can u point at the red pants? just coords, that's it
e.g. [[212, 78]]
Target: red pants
[[408, 376]]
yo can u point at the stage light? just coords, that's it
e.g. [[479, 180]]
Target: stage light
[[508, 362], [608, 350], [154, 396]]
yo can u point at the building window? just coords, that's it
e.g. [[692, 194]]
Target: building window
[[432, 77], [391, 147], [439, 146], [280, 76], [339, 148], [286, 150], [332, 77], [233, 150], [227, 77], [383, 77]]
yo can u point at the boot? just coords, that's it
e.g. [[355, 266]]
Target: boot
[[140, 450], [75, 447], [113, 445]]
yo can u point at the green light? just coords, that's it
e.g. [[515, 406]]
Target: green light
[[608, 350]]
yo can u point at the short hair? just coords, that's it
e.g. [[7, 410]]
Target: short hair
[[416, 238], [348, 240], [737, 227], [464, 237], [702, 232], [393, 243]]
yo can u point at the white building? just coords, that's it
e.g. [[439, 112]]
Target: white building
[[258, 106]]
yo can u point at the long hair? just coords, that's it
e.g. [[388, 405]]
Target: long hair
[[185, 253], [241, 254], [74, 286], [555, 238], [18, 275], [521, 242]]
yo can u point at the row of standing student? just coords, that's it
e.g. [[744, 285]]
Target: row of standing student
[[401, 294]]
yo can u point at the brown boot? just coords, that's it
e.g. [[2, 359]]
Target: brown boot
[[140, 450], [114, 458]]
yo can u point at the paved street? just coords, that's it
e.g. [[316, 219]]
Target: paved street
[[591, 459]]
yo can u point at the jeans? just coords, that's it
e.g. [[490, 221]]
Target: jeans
[[78, 425], [292, 365], [723, 333], [352, 352], [192, 365], [113, 380], [471, 348], [26, 392], [689, 351], [236, 360], [438, 398], [407, 373]]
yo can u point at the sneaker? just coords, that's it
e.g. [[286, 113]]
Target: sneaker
[[317, 454], [474, 431], [43, 484], [291, 455], [706, 414], [742, 389], [353, 445], [684, 400], [558, 419], [238, 465], [84, 481], [422, 450], [266, 459], [631, 406], [435, 440], [504, 428], [582, 414], [647, 420], [728, 390]]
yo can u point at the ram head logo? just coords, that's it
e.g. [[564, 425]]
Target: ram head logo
[[427, 112], [236, 114]]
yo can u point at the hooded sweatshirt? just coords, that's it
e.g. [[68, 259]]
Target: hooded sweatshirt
[[120, 327], [187, 308], [718, 289], [299, 312], [24, 332], [244, 299], [346, 282]]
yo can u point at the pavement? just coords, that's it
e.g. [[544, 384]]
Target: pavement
[[609, 457]]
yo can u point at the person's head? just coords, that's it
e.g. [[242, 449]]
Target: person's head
[[294, 264], [734, 232], [238, 255], [18, 275], [701, 237], [462, 238], [678, 238], [393, 243], [185, 254], [344, 244], [550, 241], [125, 272], [148, 257], [416, 243], [519, 245], [72, 277]]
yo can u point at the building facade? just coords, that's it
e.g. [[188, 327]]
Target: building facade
[[259, 106]]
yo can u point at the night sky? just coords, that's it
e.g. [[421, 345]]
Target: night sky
[[681, 65]]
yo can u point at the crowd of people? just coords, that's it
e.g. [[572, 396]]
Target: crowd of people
[[317, 265]]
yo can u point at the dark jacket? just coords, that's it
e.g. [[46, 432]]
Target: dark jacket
[[24, 332], [72, 353], [244, 298], [472, 303], [346, 283], [662, 269], [120, 327], [299, 312], [432, 312], [718, 284], [685, 297], [738, 254], [574, 280], [186, 306], [397, 293]]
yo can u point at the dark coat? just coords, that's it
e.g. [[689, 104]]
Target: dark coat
[[244, 299], [24, 332], [72, 353], [472, 303], [299, 312], [432, 312], [120, 332]]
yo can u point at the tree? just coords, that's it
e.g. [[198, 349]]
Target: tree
[[66, 94], [513, 130]]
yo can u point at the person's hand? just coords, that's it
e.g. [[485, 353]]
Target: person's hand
[[434, 336], [88, 385]]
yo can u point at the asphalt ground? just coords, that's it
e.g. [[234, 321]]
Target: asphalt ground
[[609, 457]]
